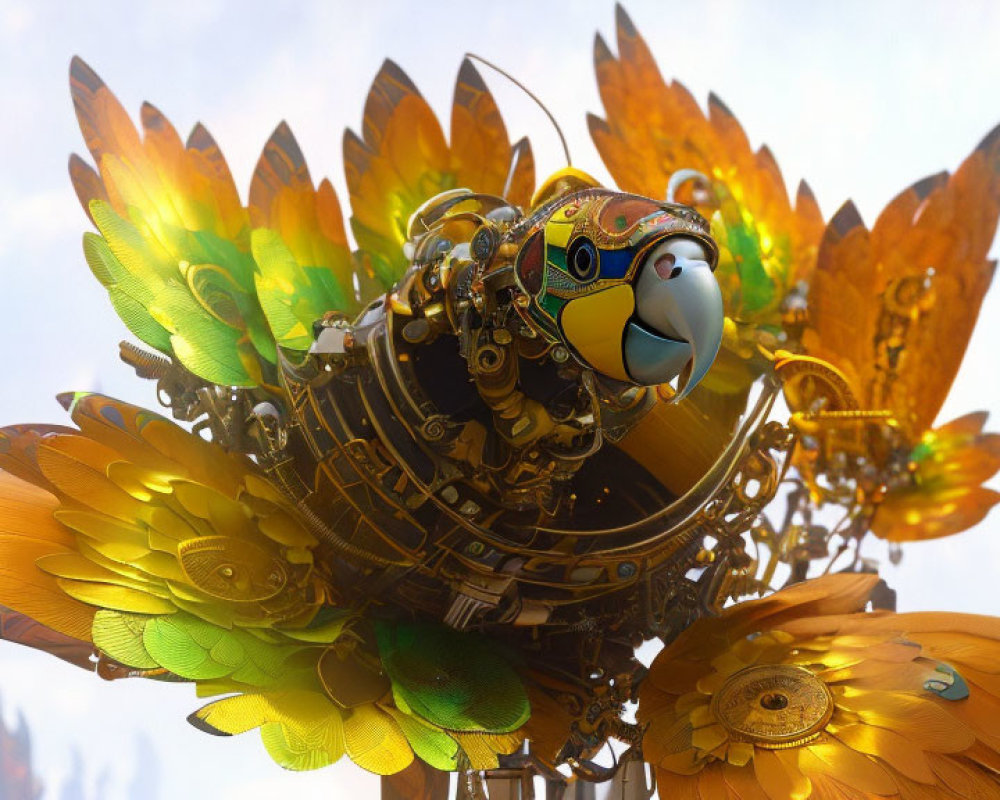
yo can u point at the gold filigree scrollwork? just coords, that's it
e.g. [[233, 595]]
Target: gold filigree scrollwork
[[735, 510]]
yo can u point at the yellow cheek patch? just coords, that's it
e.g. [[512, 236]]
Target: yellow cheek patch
[[594, 326], [557, 232]]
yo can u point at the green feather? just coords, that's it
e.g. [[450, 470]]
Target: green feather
[[197, 650], [191, 294], [325, 627], [119, 635], [206, 346], [457, 681], [387, 259], [757, 290], [129, 296], [140, 254], [293, 296], [433, 745]]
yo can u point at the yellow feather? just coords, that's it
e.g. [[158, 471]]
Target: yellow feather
[[301, 729], [28, 531], [117, 598], [374, 741], [482, 748], [76, 466]]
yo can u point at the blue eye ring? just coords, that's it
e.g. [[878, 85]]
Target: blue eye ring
[[582, 261]]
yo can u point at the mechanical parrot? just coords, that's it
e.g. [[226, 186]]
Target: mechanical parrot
[[429, 494]]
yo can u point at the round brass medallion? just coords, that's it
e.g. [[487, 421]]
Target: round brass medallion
[[774, 705]]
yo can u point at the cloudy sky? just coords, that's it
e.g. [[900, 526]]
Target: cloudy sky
[[861, 98]]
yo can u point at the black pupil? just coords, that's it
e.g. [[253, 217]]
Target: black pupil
[[583, 260]]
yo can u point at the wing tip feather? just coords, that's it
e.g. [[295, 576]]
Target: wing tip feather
[[990, 141], [597, 125], [203, 726], [925, 186], [805, 191], [151, 117], [715, 102], [602, 52], [846, 219], [470, 76], [81, 73], [200, 139], [624, 22], [283, 139], [392, 72]]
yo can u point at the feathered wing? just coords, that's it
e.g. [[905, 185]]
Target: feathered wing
[[402, 159], [949, 466], [175, 250], [219, 286], [653, 131], [911, 701], [305, 266], [893, 309], [170, 558]]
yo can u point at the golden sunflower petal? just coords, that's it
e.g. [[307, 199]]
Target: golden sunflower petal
[[689, 703], [989, 682], [838, 761], [679, 679], [708, 738], [686, 762], [701, 716], [875, 675], [682, 787], [972, 650], [710, 684], [965, 778], [711, 785], [984, 755], [825, 788], [667, 743], [779, 776], [915, 626], [897, 751], [838, 594], [981, 712], [923, 721], [742, 782], [876, 648], [657, 703], [739, 753], [728, 663], [911, 790], [828, 595]]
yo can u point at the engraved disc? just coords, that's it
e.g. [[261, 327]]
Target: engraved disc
[[774, 705]]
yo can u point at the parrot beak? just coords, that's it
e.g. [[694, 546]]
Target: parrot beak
[[677, 329]]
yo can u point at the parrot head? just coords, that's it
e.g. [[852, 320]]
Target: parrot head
[[627, 283]]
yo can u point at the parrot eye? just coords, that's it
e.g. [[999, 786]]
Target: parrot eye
[[582, 259]]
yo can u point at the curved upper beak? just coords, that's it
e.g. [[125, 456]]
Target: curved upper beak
[[678, 325]]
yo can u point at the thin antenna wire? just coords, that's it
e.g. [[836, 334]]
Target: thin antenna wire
[[515, 159], [527, 91]]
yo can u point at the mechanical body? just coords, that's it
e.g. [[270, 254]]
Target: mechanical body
[[456, 443]]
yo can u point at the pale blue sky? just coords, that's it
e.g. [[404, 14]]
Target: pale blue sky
[[861, 98]]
